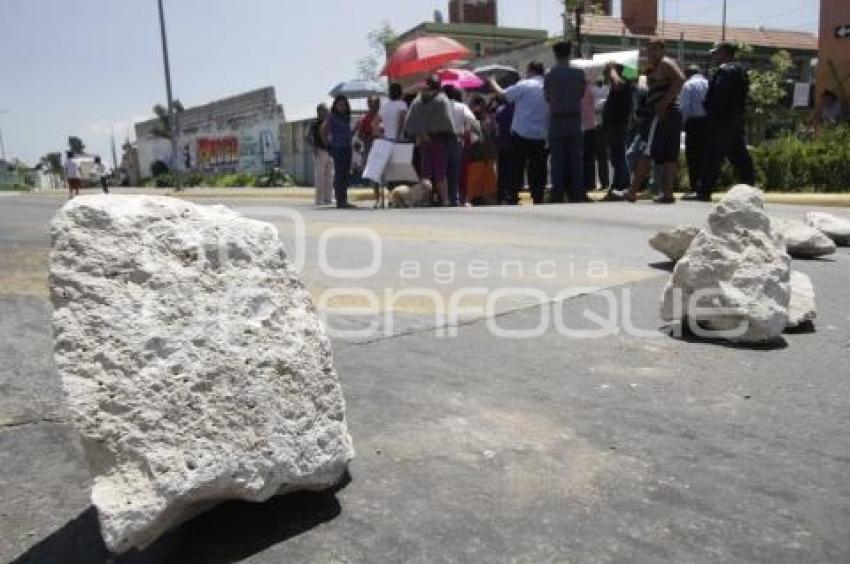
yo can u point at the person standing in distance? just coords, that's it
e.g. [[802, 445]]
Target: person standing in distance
[[565, 89], [102, 176], [665, 81], [429, 121], [72, 175], [323, 165], [617, 115], [338, 135], [693, 114], [725, 106], [529, 130]]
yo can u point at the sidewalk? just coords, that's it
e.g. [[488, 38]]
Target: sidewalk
[[366, 195]]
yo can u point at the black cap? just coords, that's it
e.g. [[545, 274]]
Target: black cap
[[727, 45]]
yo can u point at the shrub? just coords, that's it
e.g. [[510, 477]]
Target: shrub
[[158, 168], [163, 180], [794, 164], [275, 178]]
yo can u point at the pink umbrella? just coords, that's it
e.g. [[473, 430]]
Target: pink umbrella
[[460, 78]]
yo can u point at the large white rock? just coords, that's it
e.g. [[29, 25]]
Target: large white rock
[[737, 272], [673, 243], [803, 241], [834, 227], [802, 308], [193, 363]]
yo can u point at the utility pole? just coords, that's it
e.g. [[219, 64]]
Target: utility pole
[[172, 115], [579, 15], [114, 153], [723, 38], [2, 145]]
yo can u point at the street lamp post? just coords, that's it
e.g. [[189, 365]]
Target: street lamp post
[[723, 38], [172, 115]]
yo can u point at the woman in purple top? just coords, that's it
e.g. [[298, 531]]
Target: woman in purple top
[[338, 135]]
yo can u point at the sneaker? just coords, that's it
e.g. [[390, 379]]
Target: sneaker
[[623, 195], [695, 197], [664, 199]]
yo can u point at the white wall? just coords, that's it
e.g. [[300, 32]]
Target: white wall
[[253, 146]]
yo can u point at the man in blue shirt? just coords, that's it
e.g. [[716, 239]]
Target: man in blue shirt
[[529, 129], [565, 87], [694, 117]]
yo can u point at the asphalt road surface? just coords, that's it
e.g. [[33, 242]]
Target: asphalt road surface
[[632, 446]]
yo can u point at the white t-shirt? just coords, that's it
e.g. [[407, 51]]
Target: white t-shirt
[[461, 117], [390, 113], [72, 170], [600, 94]]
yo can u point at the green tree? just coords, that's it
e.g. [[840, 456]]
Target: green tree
[[162, 127], [52, 162], [767, 92], [76, 145], [369, 67]]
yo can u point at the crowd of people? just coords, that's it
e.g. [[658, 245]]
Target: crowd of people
[[550, 128]]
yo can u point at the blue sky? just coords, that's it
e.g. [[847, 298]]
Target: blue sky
[[83, 67]]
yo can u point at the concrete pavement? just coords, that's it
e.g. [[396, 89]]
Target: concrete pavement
[[622, 448]]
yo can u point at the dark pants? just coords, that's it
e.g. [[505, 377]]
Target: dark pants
[[529, 155], [616, 135], [567, 168], [342, 174], [104, 183], [725, 141], [455, 162], [602, 157], [695, 149], [505, 174], [589, 159]]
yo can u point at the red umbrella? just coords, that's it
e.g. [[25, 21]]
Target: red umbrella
[[423, 54]]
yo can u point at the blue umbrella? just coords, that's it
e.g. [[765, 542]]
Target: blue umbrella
[[359, 89]]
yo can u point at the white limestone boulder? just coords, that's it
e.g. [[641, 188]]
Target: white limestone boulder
[[803, 309], [735, 276], [194, 365], [803, 241], [835, 227], [674, 243]]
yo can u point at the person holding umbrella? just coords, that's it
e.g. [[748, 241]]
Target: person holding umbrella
[[337, 134]]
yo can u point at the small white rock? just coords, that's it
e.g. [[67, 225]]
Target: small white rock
[[674, 243], [803, 241], [802, 308], [835, 227]]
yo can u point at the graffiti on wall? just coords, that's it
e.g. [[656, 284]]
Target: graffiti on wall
[[253, 148], [215, 153]]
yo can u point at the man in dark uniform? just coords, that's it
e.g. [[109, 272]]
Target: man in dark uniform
[[725, 106]]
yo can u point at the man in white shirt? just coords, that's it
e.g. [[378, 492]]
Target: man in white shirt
[[391, 118], [392, 114], [72, 175], [102, 174], [694, 118]]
